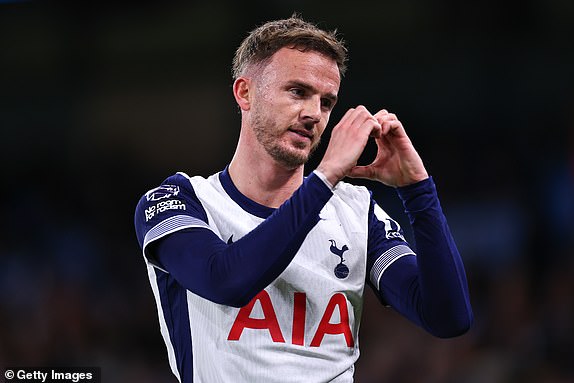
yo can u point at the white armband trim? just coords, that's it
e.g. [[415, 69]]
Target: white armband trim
[[385, 260], [171, 225]]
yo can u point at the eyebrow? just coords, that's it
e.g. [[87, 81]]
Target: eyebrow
[[330, 96]]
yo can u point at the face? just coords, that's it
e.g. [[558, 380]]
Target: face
[[293, 97]]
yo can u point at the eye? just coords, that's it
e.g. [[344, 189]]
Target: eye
[[297, 92], [327, 103]]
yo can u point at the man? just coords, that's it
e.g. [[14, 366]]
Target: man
[[258, 272]]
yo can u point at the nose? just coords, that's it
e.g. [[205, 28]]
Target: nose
[[312, 110]]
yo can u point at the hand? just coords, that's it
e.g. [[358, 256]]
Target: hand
[[348, 140], [397, 163]]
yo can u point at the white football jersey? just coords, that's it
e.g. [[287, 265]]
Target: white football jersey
[[304, 326]]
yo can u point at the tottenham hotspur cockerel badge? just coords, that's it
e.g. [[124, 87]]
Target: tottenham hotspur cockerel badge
[[341, 270]]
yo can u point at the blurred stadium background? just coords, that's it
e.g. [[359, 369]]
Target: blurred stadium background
[[101, 101]]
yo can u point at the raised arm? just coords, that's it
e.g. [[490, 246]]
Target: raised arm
[[430, 289], [182, 243]]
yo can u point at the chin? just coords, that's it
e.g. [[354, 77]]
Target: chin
[[291, 160], [290, 155]]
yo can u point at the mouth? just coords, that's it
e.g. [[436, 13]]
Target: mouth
[[302, 132]]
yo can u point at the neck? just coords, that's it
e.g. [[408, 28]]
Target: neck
[[260, 178]]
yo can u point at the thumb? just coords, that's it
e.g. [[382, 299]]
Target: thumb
[[361, 172]]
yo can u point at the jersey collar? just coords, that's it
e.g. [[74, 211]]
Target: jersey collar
[[246, 204]]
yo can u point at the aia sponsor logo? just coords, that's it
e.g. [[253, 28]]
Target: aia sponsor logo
[[269, 323]]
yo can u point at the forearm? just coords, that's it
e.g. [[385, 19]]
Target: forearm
[[430, 289], [233, 274]]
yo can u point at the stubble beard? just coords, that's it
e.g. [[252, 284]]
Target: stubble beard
[[269, 136]]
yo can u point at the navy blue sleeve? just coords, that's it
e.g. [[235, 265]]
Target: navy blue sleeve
[[386, 244], [430, 288], [168, 208], [232, 274]]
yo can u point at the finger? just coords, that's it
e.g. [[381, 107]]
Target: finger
[[362, 114], [364, 120], [377, 130], [384, 148], [358, 115], [381, 112], [392, 128], [371, 122], [352, 132], [347, 117], [350, 117], [386, 115], [385, 119]]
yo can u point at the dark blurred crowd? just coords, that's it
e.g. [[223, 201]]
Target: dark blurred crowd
[[101, 103]]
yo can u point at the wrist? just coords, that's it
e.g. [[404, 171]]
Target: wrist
[[413, 180], [328, 176], [323, 178]]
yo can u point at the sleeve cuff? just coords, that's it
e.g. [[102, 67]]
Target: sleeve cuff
[[418, 196], [323, 178]]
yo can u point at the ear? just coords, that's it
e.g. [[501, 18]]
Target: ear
[[242, 92]]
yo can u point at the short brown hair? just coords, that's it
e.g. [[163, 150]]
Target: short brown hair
[[264, 41]]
